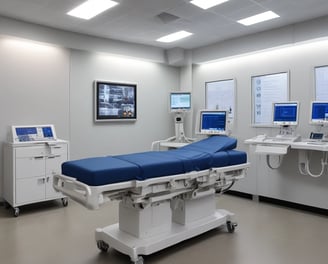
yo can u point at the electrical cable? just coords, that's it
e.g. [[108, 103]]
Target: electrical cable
[[228, 188], [270, 166], [323, 164]]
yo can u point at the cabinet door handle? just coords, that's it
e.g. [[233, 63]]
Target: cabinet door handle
[[38, 157], [53, 156]]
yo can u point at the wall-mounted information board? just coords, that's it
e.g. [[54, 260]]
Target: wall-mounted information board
[[321, 83], [267, 89], [220, 95]]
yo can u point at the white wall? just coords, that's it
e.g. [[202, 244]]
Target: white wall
[[42, 82], [287, 35], [285, 183], [21, 29], [154, 81], [34, 87]]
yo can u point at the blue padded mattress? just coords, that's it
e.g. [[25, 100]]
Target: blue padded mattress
[[216, 151]]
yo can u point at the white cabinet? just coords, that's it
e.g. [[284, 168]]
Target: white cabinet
[[29, 170]]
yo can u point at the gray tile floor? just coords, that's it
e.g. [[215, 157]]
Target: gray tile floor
[[48, 233]]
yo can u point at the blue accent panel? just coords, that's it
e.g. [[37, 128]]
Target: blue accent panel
[[220, 159], [193, 160], [213, 144], [236, 157], [100, 170], [154, 164]]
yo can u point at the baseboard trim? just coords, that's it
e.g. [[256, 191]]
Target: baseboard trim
[[264, 199], [240, 194], [303, 207]]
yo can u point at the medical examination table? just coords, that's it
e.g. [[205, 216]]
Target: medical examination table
[[165, 196]]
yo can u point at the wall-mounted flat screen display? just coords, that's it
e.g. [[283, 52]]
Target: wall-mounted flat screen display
[[115, 101]]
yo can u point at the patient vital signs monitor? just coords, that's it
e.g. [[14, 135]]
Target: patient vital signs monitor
[[319, 113], [285, 113], [180, 101], [213, 122]]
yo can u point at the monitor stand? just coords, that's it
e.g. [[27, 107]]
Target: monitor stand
[[177, 141]]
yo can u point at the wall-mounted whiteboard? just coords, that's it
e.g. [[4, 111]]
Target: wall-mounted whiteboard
[[221, 95], [267, 89], [321, 83]]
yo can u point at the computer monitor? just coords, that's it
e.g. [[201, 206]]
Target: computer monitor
[[285, 113], [213, 122], [180, 101], [319, 113]]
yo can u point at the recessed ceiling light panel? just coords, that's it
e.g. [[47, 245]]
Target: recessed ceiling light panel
[[258, 18], [206, 4], [174, 36], [91, 8]]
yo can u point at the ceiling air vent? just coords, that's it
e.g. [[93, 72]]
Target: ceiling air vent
[[167, 17]]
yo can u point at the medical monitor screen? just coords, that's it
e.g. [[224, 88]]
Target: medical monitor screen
[[115, 101], [180, 101], [319, 113], [33, 133], [213, 122], [285, 114]]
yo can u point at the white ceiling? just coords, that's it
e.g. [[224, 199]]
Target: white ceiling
[[137, 21]]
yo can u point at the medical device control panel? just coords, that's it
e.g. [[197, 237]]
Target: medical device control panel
[[34, 133]]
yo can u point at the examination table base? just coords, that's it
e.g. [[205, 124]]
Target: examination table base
[[146, 230], [159, 212]]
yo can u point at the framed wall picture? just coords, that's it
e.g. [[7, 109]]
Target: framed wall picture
[[115, 101], [321, 83], [220, 95], [267, 89]]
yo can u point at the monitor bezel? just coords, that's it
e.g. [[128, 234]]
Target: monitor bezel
[[183, 109], [285, 123], [212, 132], [320, 122], [110, 118]]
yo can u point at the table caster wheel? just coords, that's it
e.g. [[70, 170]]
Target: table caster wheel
[[65, 201], [103, 246], [140, 260], [16, 211], [231, 226]]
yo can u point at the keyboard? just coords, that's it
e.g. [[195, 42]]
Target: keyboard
[[282, 139], [317, 143]]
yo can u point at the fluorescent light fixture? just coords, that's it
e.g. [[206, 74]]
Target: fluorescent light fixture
[[206, 4], [174, 36], [258, 18], [91, 8]]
